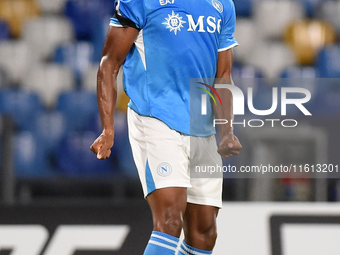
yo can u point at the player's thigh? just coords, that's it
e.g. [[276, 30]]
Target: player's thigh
[[200, 218], [206, 188], [138, 144], [160, 153], [200, 225]]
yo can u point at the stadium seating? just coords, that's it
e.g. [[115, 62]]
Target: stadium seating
[[271, 58], [45, 34], [77, 56], [246, 71], [306, 37], [330, 11], [52, 7], [17, 12], [21, 105], [328, 98], [244, 8], [16, 57], [89, 78], [29, 157], [277, 13], [4, 30], [49, 81], [246, 36], [4, 80], [75, 158], [86, 14], [49, 128], [78, 106], [310, 6], [328, 62], [98, 36], [306, 72]]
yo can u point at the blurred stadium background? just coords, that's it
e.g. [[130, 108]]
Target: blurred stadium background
[[49, 56]]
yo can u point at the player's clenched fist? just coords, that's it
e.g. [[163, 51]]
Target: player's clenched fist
[[102, 145], [229, 146]]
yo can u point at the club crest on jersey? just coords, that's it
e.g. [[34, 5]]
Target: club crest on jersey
[[218, 5], [165, 2], [174, 22]]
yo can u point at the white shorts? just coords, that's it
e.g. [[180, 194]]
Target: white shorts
[[163, 159]]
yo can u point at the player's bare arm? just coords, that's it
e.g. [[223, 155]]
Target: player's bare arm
[[118, 42], [229, 145]]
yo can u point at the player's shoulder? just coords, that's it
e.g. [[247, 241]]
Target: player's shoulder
[[135, 3], [131, 6], [225, 7]]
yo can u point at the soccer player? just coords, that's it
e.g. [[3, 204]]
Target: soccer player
[[162, 45]]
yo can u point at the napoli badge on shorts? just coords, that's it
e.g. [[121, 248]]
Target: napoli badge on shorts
[[164, 169]]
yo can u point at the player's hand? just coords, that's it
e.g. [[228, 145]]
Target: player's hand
[[229, 146], [102, 145]]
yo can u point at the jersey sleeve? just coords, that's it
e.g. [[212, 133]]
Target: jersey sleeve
[[129, 13], [227, 40]]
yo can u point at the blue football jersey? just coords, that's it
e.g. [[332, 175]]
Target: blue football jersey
[[179, 40]]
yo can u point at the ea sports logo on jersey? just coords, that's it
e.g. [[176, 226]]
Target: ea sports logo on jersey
[[164, 169], [218, 5]]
